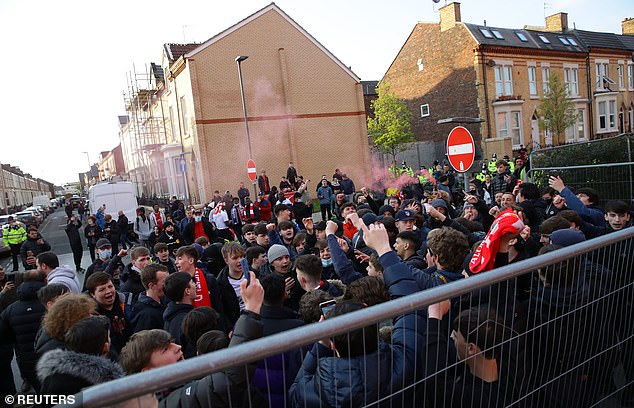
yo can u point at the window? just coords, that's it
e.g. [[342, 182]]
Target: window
[[621, 69], [572, 41], [486, 33], [544, 39], [577, 131], [564, 41], [420, 64], [184, 116], [630, 76], [174, 124], [424, 110], [606, 110], [521, 36], [532, 80], [509, 123], [570, 79], [497, 34], [602, 116], [503, 80], [545, 79], [502, 124], [603, 80]]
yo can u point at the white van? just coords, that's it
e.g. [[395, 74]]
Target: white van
[[116, 195]]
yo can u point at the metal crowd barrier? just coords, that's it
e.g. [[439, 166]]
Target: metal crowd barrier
[[613, 181], [578, 354]]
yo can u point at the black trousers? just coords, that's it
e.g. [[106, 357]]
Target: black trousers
[[77, 254], [15, 253]]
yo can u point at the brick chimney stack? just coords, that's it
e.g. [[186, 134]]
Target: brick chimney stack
[[627, 26], [449, 16], [557, 23]]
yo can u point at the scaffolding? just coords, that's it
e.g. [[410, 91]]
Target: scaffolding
[[146, 130]]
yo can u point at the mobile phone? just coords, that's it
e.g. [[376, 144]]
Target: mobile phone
[[326, 307], [427, 206], [11, 277], [245, 270]]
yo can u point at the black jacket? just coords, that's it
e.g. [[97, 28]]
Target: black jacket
[[131, 281], [33, 246], [188, 232], [230, 302], [19, 324], [173, 317], [118, 338], [95, 230], [173, 240], [148, 314], [99, 265], [67, 372], [72, 230], [222, 389]]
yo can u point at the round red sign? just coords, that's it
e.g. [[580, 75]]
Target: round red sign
[[460, 149]]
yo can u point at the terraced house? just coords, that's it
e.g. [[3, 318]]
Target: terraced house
[[456, 69]]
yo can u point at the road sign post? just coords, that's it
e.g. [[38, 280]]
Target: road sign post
[[253, 175]]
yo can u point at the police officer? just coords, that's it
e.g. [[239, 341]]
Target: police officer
[[13, 236]]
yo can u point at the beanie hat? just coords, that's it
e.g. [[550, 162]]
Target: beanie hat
[[566, 237], [439, 202], [369, 219], [484, 256], [385, 208], [277, 251]]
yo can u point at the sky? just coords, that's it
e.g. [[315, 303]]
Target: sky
[[66, 62]]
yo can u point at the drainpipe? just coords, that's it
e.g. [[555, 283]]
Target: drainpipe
[[590, 98], [486, 94]]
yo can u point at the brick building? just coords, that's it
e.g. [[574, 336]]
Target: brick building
[[303, 105], [455, 69]]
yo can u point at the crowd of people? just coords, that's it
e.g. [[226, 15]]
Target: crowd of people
[[203, 279]]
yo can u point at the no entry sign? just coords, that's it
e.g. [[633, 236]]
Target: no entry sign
[[460, 149], [251, 170]]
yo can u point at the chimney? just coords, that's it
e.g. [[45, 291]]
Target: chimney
[[627, 26], [449, 16], [557, 23]]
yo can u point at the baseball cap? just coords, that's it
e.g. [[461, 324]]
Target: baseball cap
[[404, 215], [566, 237], [369, 219], [103, 242]]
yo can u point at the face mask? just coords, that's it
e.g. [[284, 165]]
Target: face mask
[[105, 253], [326, 262], [198, 218]]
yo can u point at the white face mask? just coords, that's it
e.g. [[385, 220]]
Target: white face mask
[[198, 218], [326, 262]]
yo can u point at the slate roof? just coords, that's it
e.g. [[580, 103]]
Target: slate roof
[[593, 39], [511, 38], [175, 51]]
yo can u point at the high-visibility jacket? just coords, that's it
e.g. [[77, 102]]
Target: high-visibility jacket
[[13, 236], [493, 168]]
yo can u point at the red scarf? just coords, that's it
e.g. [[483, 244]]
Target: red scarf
[[199, 230], [159, 220], [202, 293], [484, 257]]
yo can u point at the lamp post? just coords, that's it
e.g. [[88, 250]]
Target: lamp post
[[89, 170], [239, 60]]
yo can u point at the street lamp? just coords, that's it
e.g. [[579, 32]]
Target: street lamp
[[89, 170], [239, 60]]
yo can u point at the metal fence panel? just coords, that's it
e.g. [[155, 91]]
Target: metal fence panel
[[554, 330]]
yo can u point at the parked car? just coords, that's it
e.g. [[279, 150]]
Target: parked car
[[29, 218], [38, 209]]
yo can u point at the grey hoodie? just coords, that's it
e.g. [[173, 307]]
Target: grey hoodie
[[65, 275]]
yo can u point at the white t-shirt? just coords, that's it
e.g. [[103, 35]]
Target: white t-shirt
[[235, 283], [220, 219]]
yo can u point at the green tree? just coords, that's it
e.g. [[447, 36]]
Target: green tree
[[390, 129], [556, 110]]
